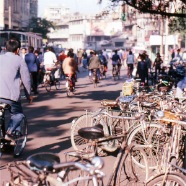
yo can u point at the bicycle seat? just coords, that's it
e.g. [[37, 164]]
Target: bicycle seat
[[109, 103], [43, 161], [164, 89], [148, 104], [94, 132]]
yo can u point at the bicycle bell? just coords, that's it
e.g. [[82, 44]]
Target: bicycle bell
[[160, 114]]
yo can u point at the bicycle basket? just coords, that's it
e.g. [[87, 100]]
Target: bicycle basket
[[127, 89]]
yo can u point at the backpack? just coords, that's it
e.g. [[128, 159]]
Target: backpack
[[102, 59]]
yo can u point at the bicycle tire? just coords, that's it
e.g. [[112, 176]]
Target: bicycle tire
[[170, 180], [47, 86], [57, 85], [21, 140], [128, 172], [152, 135], [71, 173], [2, 133], [82, 121], [79, 143]]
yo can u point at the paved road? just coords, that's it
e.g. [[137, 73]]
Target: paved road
[[50, 116]]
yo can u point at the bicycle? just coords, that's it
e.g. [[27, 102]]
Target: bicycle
[[124, 171], [115, 127], [38, 170], [115, 72], [93, 76], [48, 82], [19, 136], [167, 169], [70, 84], [103, 71]]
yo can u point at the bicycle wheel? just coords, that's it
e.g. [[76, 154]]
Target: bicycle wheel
[[153, 137], [78, 143], [128, 173], [2, 133], [21, 138], [169, 180], [82, 144], [57, 84]]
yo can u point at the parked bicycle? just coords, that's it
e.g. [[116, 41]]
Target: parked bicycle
[[39, 169], [19, 137], [124, 171], [49, 82], [70, 84]]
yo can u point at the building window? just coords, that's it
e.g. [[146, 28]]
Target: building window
[[6, 4], [118, 44]]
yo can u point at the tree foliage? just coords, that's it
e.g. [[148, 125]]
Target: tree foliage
[[39, 25], [175, 10]]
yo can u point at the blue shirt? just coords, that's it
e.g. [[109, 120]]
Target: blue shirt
[[32, 62]]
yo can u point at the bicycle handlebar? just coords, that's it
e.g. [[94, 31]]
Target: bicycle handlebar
[[140, 115]]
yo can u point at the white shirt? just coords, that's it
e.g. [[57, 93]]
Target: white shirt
[[49, 58]]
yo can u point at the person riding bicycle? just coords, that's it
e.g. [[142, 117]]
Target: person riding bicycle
[[14, 71], [103, 60], [116, 61], [70, 66], [50, 61], [94, 63]]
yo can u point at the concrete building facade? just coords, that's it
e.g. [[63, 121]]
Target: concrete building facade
[[15, 14]]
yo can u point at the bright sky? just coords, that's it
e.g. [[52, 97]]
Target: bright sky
[[82, 6]]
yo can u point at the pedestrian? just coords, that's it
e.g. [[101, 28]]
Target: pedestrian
[[157, 64], [84, 59], [173, 54], [41, 72], [79, 56], [178, 56], [106, 54], [23, 52], [142, 69], [130, 60], [33, 67], [13, 71]]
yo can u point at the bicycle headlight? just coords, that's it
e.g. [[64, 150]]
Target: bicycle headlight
[[97, 162], [160, 114]]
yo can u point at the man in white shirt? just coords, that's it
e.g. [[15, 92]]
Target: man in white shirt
[[50, 61]]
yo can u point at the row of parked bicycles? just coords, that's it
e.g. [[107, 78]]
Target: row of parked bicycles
[[146, 130]]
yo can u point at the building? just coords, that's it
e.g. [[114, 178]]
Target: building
[[15, 14], [87, 31], [55, 12]]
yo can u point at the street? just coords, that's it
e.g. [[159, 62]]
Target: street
[[51, 113]]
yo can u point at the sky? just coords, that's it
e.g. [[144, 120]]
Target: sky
[[82, 6]]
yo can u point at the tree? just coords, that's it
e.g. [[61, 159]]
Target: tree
[[42, 26], [175, 10], [170, 8]]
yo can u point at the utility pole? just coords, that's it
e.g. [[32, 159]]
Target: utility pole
[[10, 17], [166, 57]]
